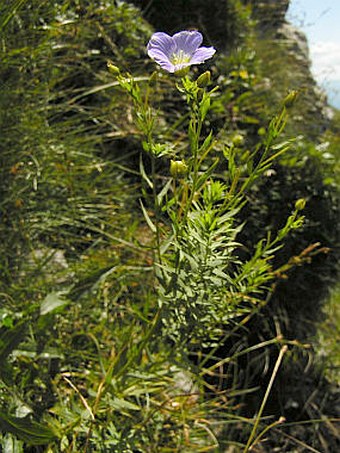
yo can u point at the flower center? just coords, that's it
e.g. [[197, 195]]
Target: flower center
[[180, 57]]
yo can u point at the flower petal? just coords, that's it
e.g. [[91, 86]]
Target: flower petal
[[167, 66], [161, 42], [180, 66], [202, 54], [161, 59], [187, 41]]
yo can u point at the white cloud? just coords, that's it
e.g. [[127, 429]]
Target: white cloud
[[325, 56]]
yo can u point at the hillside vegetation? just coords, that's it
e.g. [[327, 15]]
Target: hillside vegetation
[[168, 244]]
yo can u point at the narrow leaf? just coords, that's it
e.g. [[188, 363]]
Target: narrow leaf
[[163, 192], [147, 218], [143, 173]]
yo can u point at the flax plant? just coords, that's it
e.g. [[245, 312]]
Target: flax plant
[[201, 280]]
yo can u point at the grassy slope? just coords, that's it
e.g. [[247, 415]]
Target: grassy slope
[[69, 182]]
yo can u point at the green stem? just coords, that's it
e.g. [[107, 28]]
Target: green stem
[[265, 398], [157, 213], [197, 124]]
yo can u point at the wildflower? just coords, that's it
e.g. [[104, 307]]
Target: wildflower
[[177, 52]]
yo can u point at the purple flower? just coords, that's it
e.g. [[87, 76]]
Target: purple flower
[[174, 53]]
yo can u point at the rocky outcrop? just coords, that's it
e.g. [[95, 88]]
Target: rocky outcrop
[[270, 12], [285, 62]]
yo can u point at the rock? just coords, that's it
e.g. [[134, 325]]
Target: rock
[[270, 12], [295, 41]]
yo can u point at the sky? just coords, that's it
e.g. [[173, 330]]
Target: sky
[[320, 20]]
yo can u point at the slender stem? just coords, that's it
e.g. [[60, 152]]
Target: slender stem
[[265, 398], [220, 363], [267, 428], [156, 208], [196, 124]]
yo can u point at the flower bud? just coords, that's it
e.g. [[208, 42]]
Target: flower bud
[[300, 204], [113, 68], [237, 140], [204, 79], [290, 99], [178, 168]]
